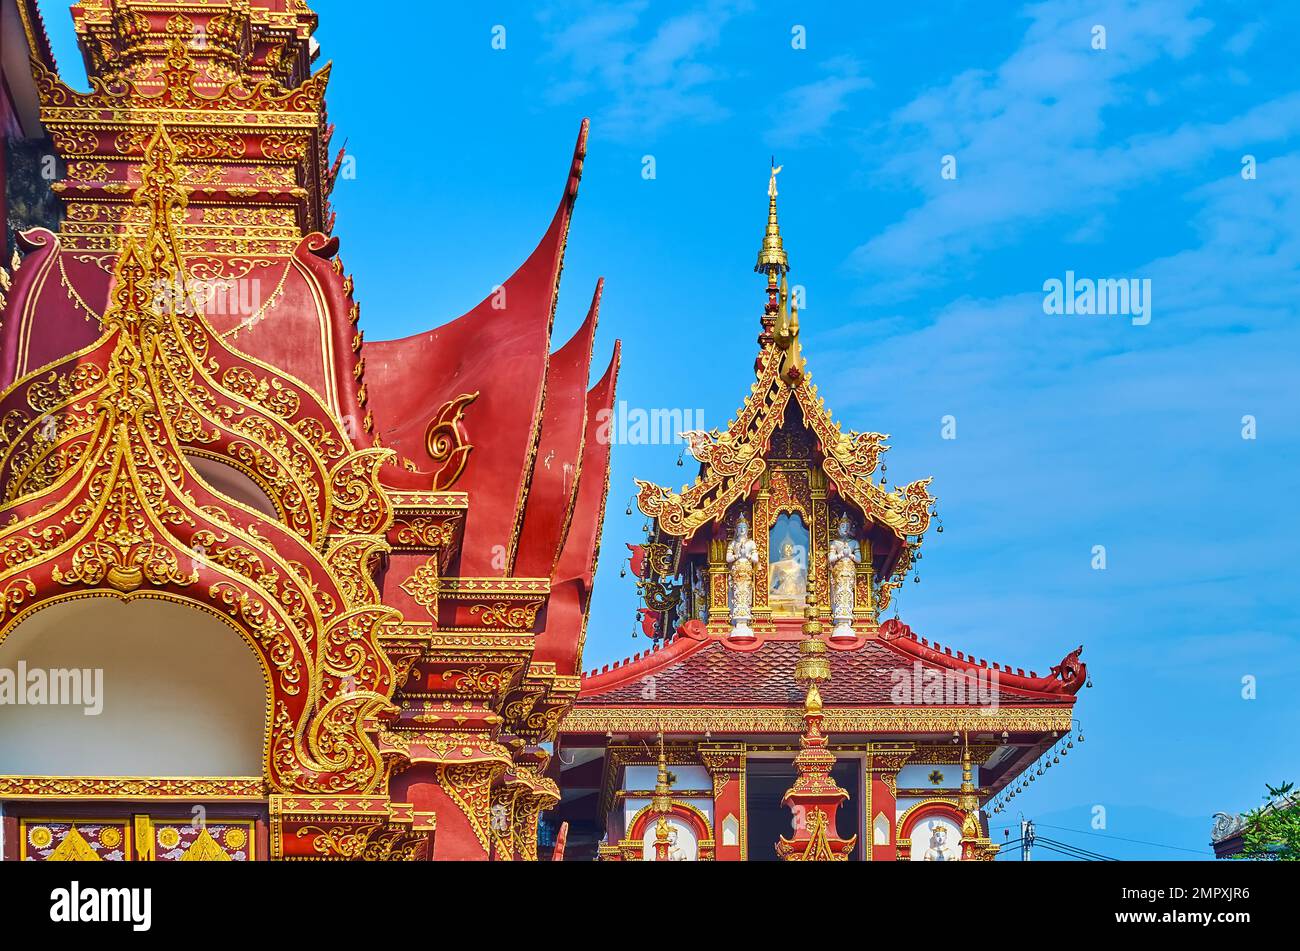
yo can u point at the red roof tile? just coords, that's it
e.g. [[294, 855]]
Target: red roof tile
[[708, 671]]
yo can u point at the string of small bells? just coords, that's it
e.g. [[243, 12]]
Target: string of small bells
[[915, 545], [1045, 762], [622, 571]]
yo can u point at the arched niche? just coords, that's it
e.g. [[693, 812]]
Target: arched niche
[[178, 691], [233, 483], [930, 831], [690, 838], [787, 573]]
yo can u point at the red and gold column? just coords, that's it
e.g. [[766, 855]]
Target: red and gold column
[[726, 765], [975, 845], [884, 760]]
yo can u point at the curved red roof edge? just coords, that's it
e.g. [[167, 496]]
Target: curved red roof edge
[[677, 648], [553, 490], [562, 639], [318, 254], [37, 22], [39, 246], [1067, 678], [500, 350]]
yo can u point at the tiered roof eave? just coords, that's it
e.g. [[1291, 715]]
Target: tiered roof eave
[[733, 460]]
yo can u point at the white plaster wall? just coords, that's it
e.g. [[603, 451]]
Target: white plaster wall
[[233, 484], [688, 777], [183, 694], [917, 776]]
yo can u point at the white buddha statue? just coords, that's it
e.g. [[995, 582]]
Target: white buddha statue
[[788, 580]]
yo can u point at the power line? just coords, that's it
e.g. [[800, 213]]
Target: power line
[[1120, 838], [1082, 851], [1069, 855], [1006, 846], [1094, 856]]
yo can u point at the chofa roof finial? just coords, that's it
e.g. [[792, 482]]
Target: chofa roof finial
[[771, 257]]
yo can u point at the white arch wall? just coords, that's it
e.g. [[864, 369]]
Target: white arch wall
[[182, 693], [233, 484]]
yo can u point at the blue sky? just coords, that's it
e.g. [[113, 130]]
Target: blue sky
[[924, 299]]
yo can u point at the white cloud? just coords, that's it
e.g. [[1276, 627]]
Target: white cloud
[[806, 111], [1030, 138], [1241, 41], [651, 74]]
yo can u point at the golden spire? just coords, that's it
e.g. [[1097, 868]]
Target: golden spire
[[968, 802], [663, 782], [815, 795], [813, 666], [771, 257], [662, 804], [781, 316]]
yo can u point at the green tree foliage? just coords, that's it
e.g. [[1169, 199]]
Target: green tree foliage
[[1273, 830]]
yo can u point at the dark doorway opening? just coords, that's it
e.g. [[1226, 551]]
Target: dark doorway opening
[[766, 781]]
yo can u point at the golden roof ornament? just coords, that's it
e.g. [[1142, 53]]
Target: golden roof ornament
[[771, 257], [662, 803], [813, 666], [663, 782]]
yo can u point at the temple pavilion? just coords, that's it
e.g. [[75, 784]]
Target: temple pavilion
[[781, 711]]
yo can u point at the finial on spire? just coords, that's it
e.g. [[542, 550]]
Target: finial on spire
[[771, 257], [662, 804]]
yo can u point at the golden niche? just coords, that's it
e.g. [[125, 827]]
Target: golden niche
[[787, 591]]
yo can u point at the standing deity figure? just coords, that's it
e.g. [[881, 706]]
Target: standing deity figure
[[700, 597], [940, 849], [675, 851], [742, 557], [843, 559]]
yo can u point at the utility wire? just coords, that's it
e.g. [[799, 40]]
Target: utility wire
[[1074, 848], [1121, 838], [1005, 853], [1069, 855], [1095, 856]]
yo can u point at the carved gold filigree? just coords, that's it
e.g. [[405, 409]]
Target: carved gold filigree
[[447, 442], [469, 785], [424, 586], [132, 510], [376, 842], [733, 460], [504, 614]]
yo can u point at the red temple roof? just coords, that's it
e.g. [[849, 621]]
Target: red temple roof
[[554, 486], [707, 670], [562, 639], [500, 350]]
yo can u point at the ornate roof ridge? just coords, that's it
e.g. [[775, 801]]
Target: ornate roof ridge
[[678, 647], [1068, 676], [579, 554], [38, 37], [1065, 679], [409, 378], [732, 459]]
